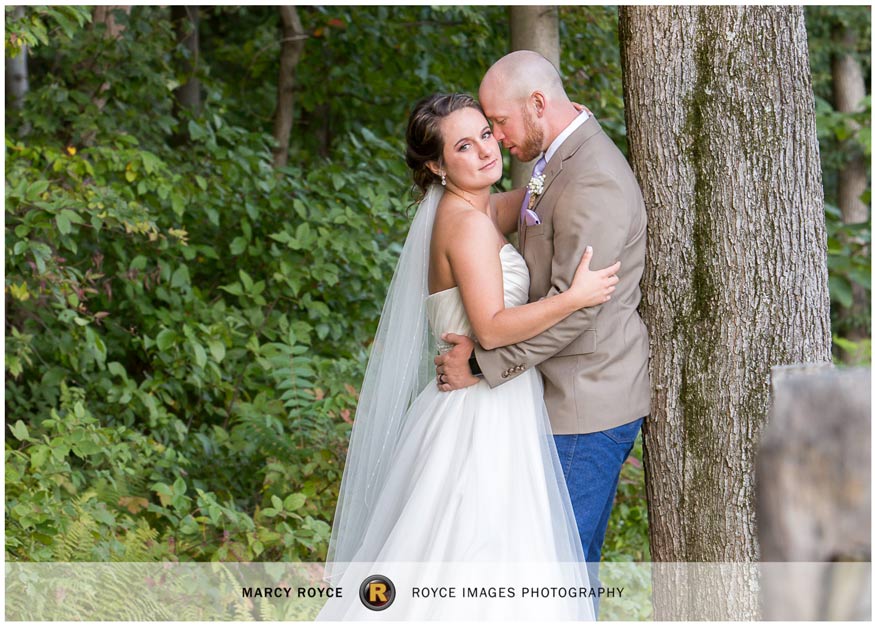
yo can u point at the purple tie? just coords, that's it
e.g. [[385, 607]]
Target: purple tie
[[529, 216]]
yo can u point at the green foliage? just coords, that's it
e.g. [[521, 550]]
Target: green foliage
[[628, 538], [39, 23], [591, 68], [843, 136], [856, 352], [186, 326]]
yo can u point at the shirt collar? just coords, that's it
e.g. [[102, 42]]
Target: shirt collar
[[574, 125]]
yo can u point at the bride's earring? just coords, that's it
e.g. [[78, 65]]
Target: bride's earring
[[444, 179]]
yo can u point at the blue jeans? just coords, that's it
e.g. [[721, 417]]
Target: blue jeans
[[591, 464]]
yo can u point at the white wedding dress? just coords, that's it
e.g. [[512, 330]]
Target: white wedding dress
[[474, 479]]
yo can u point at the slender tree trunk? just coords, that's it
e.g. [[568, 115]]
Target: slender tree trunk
[[105, 15], [16, 72], [849, 89], [533, 28], [290, 55], [721, 126], [185, 22]]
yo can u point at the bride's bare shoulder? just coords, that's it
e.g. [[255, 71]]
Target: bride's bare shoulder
[[464, 228]]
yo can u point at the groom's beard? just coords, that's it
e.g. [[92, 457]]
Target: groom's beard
[[530, 148]]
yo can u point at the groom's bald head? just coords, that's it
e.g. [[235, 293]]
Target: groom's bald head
[[522, 95], [519, 74]]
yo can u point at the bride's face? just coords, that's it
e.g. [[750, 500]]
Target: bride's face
[[472, 158]]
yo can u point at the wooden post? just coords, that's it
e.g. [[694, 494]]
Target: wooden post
[[813, 494]]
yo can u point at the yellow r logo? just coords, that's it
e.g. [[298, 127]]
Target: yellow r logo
[[377, 592]]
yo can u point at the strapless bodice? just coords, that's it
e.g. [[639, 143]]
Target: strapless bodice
[[447, 314]]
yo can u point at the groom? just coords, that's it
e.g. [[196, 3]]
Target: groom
[[594, 363]]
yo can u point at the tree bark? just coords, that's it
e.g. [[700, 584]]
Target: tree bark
[[185, 22], [290, 55], [721, 126], [16, 72], [533, 28]]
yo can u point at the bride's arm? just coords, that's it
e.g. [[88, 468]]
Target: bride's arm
[[479, 277], [506, 208]]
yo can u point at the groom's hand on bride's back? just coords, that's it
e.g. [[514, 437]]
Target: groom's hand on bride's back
[[451, 369]]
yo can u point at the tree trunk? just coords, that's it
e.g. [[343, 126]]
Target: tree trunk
[[721, 126], [185, 23], [16, 72], [533, 28], [292, 47], [849, 89], [105, 15]]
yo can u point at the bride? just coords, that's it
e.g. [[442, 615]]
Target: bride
[[470, 476]]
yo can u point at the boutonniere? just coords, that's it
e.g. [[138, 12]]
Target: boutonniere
[[535, 187]]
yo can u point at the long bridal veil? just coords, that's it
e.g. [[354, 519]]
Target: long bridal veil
[[398, 369]]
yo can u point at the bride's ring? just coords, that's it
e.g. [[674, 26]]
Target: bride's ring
[[441, 379]]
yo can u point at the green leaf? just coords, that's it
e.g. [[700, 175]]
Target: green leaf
[[177, 203], [138, 263], [180, 277], [63, 223], [200, 355], [116, 368], [96, 344], [840, 290], [238, 246], [73, 216], [233, 288], [13, 365], [36, 189], [39, 455], [246, 280], [197, 133], [217, 349], [19, 430], [294, 501], [300, 209], [165, 339]]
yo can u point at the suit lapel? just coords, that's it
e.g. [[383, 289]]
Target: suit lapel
[[568, 149]]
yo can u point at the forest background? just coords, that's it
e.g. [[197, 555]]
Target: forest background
[[189, 302]]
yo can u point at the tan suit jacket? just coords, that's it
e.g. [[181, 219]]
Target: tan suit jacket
[[595, 362]]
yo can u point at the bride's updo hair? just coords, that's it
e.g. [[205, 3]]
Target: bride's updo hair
[[424, 140]]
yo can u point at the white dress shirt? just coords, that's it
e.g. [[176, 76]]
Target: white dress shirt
[[574, 125]]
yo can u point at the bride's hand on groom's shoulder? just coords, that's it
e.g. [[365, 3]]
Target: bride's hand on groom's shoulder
[[451, 368]]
